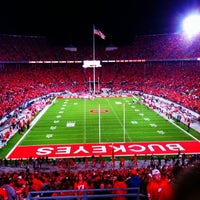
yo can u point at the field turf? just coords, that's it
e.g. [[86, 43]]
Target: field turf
[[102, 121]]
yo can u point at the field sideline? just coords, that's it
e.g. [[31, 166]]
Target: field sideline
[[74, 127]]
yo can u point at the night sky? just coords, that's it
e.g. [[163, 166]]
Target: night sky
[[71, 21]]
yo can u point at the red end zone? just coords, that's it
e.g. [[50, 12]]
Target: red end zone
[[120, 149]]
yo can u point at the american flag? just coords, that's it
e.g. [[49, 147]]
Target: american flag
[[99, 33]]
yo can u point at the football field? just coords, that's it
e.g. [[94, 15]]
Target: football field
[[82, 127]]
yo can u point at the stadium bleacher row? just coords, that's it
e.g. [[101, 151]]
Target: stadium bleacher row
[[150, 47]]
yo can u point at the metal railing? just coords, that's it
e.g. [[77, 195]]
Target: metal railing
[[131, 193]]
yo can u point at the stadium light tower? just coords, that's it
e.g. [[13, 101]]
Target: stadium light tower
[[191, 25]]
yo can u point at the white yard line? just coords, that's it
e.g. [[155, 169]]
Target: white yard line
[[126, 133], [84, 120]]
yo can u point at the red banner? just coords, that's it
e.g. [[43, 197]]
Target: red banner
[[119, 149]]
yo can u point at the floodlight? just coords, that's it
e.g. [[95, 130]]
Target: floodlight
[[191, 25]]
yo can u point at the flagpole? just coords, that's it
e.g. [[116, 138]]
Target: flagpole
[[93, 53], [100, 34], [93, 58]]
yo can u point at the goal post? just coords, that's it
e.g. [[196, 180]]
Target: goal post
[[92, 64]]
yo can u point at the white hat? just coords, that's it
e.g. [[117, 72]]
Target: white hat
[[155, 171]]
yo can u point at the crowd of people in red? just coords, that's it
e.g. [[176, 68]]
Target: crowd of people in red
[[179, 84], [150, 47], [156, 177]]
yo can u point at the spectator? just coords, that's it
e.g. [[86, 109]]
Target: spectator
[[120, 183], [81, 184], [133, 181], [102, 191], [167, 192], [3, 193], [155, 186], [187, 187], [9, 189]]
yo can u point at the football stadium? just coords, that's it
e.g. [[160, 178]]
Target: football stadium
[[77, 117]]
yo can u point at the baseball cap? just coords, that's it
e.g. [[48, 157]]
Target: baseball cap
[[133, 172], [155, 171]]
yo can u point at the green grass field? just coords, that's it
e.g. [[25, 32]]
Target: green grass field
[[102, 120]]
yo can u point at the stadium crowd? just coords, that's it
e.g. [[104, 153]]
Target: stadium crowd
[[179, 84], [155, 175], [171, 71]]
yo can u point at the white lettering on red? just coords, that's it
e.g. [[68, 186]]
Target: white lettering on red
[[63, 150], [44, 151], [139, 148], [81, 149], [175, 147], [99, 149], [120, 148], [156, 145]]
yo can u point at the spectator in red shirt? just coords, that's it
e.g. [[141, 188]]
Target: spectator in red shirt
[[155, 186], [81, 184], [167, 192], [120, 183], [3, 193]]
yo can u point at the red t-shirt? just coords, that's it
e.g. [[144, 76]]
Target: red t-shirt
[[154, 188], [3, 194], [167, 192]]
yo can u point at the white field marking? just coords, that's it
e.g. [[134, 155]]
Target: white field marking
[[118, 102], [146, 119], [153, 125], [161, 132], [70, 124], [136, 98], [58, 116], [132, 106], [136, 110], [141, 114], [32, 125], [184, 131], [84, 122], [49, 135], [62, 109], [134, 122], [52, 128], [75, 103], [117, 118], [61, 112], [56, 121]]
